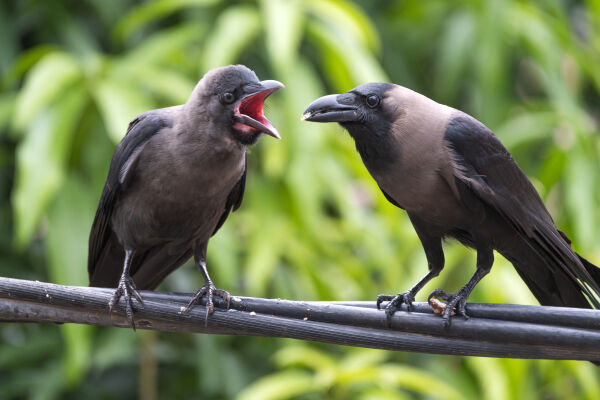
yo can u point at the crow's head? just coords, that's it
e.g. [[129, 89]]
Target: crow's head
[[232, 97]]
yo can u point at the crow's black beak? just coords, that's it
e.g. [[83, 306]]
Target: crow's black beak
[[328, 109]]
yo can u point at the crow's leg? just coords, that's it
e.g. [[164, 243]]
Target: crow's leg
[[208, 289], [435, 261], [458, 301], [126, 288]]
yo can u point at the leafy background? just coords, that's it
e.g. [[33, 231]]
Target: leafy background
[[313, 224]]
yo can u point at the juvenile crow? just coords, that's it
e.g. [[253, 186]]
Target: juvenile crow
[[455, 179], [172, 182]]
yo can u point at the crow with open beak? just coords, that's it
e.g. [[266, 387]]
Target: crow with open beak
[[172, 182], [455, 179]]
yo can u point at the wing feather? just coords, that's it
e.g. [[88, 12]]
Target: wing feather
[[140, 130], [234, 199], [484, 165]]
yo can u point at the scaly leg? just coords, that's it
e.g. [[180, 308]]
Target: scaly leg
[[458, 301], [208, 289], [435, 261], [126, 288]]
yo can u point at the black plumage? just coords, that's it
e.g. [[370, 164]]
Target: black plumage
[[455, 179], [172, 182]]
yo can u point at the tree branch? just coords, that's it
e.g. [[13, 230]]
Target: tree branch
[[494, 330]]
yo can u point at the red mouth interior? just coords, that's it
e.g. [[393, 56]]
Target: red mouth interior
[[252, 106]]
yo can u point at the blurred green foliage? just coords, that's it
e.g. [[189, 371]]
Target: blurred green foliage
[[313, 224]]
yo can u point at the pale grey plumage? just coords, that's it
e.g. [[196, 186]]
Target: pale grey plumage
[[455, 179]]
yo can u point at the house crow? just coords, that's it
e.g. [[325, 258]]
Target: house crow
[[172, 182], [455, 179]]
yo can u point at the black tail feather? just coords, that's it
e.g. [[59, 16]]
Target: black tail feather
[[592, 269]]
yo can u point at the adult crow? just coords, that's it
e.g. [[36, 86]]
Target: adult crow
[[455, 179], [172, 182]]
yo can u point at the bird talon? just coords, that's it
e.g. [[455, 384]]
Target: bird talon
[[210, 306], [209, 291], [390, 309], [440, 293], [138, 297], [136, 294], [199, 294], [388, 317], [408, 298], [125, 289], [456, 304], [461, 309], [446, 322], [405, 298], [381, 298], [448, 315], [394, 302]]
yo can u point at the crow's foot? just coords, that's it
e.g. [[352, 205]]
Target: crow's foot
[[394, 302], [455, 303], [126, 288], [209, 290]]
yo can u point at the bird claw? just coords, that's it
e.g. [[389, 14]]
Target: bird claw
[[126, 288], [208, 290], [394, 302], [456, 304]]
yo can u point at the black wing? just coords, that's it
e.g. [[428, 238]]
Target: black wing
[[140, 130], [485, 167], [234, 199]]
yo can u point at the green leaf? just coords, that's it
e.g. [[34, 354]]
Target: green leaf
[[223, 253], [492, 378], [8, 40], [119, 103], [69, 221], [347, 16], [41, 162], [222, 46], [526, 127], [418, 381], [454, 47], [153, 10], [162, 46], [580, 197], [280, 385], [48, 79], [27, 59], [338, 74], [586, 374], [362, 65], [284, 22], [305, 356], [173, 86], [7, 105], [262, 258], [383, 394]]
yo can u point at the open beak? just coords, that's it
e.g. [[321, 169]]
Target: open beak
[[328, 109], [248, 112]]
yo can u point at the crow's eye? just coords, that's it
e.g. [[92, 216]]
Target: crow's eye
[[227, 98], [372, 100]]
